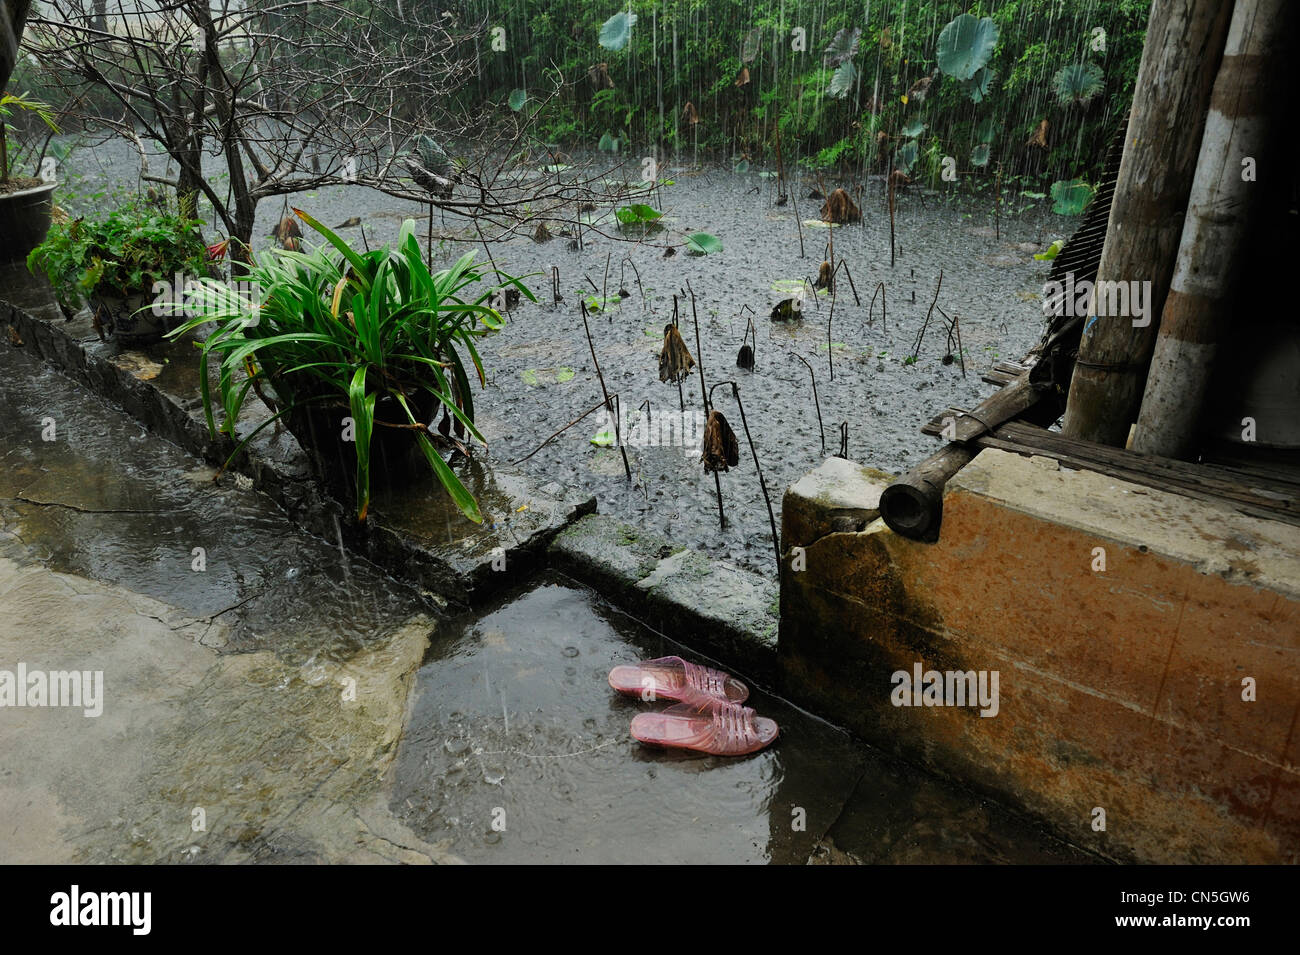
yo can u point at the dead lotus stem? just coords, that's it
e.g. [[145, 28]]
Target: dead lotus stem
[[596, 407], [816, 403], [884, 321], [920, 336], [704, 397], [762, 484], [604, 391]]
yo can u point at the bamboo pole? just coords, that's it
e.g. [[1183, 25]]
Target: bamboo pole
[[1198, 311], [1180, 58]]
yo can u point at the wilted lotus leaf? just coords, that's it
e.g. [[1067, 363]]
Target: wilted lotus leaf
[[839, 209], [787, 309], [721, 449], [689, 116], [743, 78], [745, 359], [675, 362]]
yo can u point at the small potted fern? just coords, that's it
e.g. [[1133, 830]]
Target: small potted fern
[[363, 355], [119, 264]]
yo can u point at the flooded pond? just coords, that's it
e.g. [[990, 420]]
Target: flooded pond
[[540, 371]]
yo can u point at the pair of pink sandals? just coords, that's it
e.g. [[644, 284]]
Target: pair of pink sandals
[[707, 717]]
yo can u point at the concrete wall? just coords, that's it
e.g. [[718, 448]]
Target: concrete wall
[[1119, 689]]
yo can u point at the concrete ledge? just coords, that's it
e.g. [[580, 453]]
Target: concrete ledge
[[414, 533], [1121, 683], [720, 609], [839, 496]]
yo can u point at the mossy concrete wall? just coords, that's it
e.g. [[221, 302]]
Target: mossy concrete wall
[[1130, 629]]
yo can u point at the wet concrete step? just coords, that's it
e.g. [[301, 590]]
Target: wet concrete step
[[413, 531]]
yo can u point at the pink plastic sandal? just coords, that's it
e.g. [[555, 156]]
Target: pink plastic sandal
[[719, 729], [672, 678]]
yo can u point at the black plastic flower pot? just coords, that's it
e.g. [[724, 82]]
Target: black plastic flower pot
[[24, 220], [131, 319], [326, 434]]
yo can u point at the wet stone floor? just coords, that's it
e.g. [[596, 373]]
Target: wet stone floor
[[277, 700]]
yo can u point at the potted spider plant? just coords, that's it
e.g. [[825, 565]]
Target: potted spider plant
[[26, 202], [119, 264], [362, 351]]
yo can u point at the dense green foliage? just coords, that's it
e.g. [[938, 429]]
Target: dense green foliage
[[119, 255], [335, 326], [829, 108]]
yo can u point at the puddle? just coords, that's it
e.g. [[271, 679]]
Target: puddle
[[514, 724], [514, 720]]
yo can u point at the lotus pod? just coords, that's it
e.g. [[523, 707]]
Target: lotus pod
[[825, 277], [675, 362], [721, 449]]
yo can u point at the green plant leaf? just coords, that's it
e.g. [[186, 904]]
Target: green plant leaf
[[977, 87], [986, 130], [447, 477], [1051, 252], [608, 143], [617, 30], [749, 48], [702, 243], [355, 260], [637, 213], [517, 99], [906, 155], [979, 156], [842, 80], [843, 46], [1077, 84], [913, 129], [1071, 196], [965, 45]]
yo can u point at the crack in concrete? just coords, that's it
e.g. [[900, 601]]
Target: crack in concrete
[[20, 499]]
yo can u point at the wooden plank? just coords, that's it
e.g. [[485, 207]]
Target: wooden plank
[[1247, 493], [934, 426], [1000, 378]]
